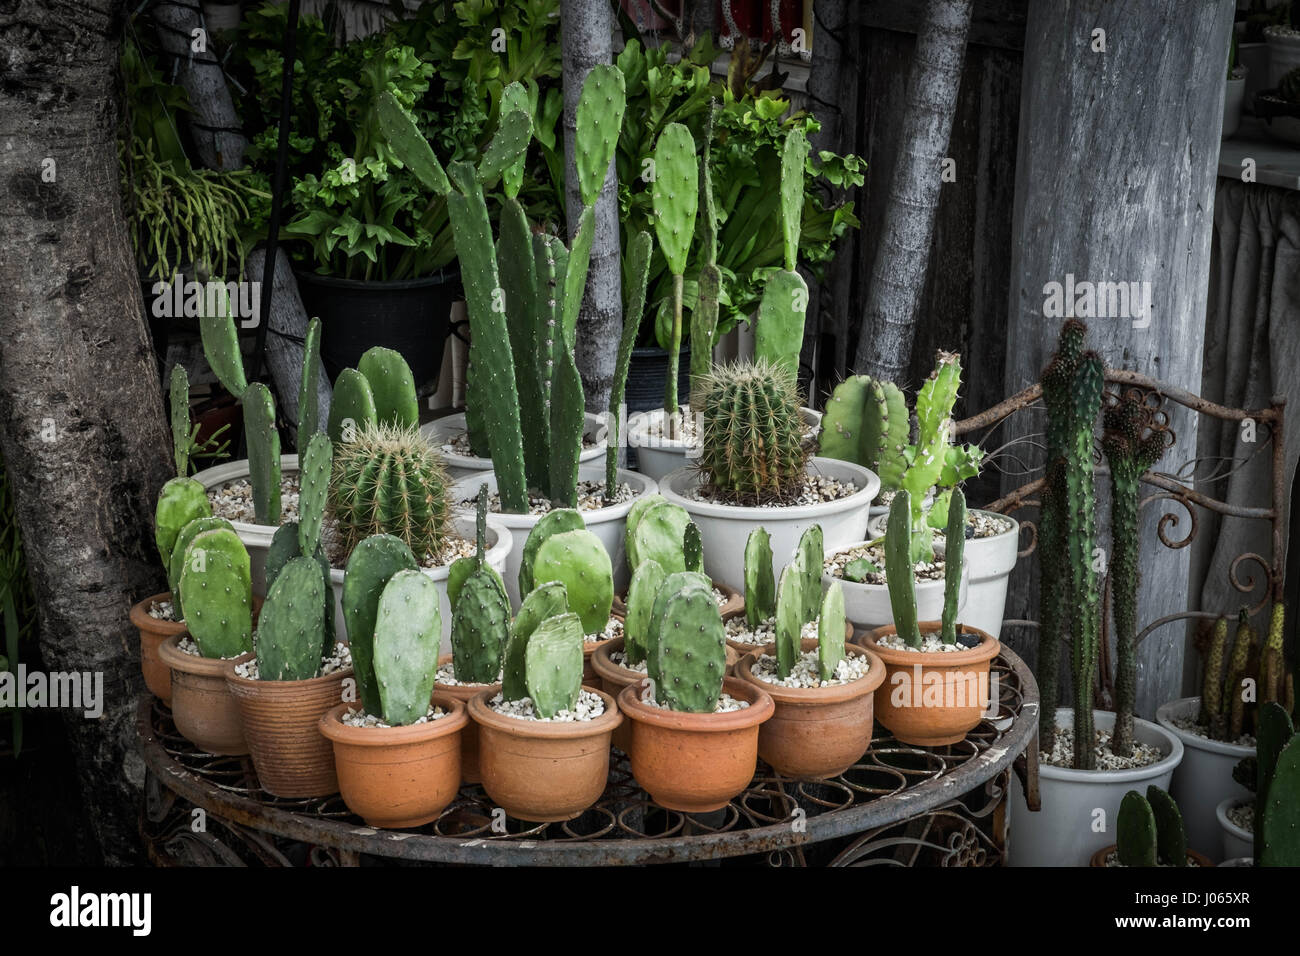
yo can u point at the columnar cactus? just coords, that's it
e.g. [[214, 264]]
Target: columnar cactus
[[580, 562], [216, 589], [760, 582], [954, 553], [675, 195], [553, 664], [778, 333], [371, 566], [179, 404], [391, 480], [408, 631], [751, 443], [900, 574]]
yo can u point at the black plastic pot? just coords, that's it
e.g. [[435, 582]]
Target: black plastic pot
[[412, 317], [647, 374]]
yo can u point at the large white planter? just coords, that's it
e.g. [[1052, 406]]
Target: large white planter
[[256, 537], [1067, 830], [989, 563], [868, 607], [444, 429], [658, 457], [607, 524], [499, 541], [1204, 779], [1233, 96], [1237, 842], [724, 529]]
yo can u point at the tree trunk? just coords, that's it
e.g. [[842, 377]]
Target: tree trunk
[[586, 36], [898, 274], [1111, 189], [81, 418], [214, 126]]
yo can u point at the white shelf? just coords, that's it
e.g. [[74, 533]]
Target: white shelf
[[1276, 163]]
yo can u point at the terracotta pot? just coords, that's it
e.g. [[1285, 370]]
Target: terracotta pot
[[1099, 858], [157, 675], [816, 732], [469, 736], [744, 648], [282, 727], [398, 777], [735, 601], [949, 706], [542, 771], [695, 762], [205, 713]]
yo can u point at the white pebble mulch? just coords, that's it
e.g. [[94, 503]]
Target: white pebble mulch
[[589, 707], [738, 630], [162, 611], [459, 445], [591, 496], [1062, 752], [187, 645], [613, 629], [930, 644], [925, 570], [817, 489], [233, 500], [1242, 815], [619, 658], [1189, 725], [447, 675], [359, 718], [805, 672], [726, 704], [340, 659]]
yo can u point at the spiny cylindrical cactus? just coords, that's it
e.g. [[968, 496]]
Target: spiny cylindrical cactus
[[752, 447], [290, 627], [953, 555], [690, 650], [391, 481], [580, 562], [900, 573], [216, 589], [553, 664], [371, 566], [760, 581], [545, 601], [408, 630]]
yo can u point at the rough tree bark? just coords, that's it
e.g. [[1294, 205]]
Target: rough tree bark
[[586, 36], [81, 418], [898, 273]]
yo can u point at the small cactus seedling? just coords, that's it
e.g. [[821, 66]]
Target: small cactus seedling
[[556, 521], [760, 581], [646, 582], [546, 601], [371, 566], [689, 650], [289, 630], [216, 590], [830, 631], [408, 629], [553, 664], [789, 617], [899, 570], [859, 570], [581, 563]]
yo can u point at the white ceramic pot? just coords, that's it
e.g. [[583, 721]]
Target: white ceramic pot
[[1204, 779], [1233, 96], [1237, 842], [868, 607], [657, 457], [499, 542], [724, 529], [989, 563], [607, 524], [256, 537], [443, 430], [1068, 830], [1283, 52]]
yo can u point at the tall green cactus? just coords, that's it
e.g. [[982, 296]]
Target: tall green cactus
[[638, 259], [309, 386], [675, 196], [1133, 439], [704, 317], [900, 574], [778, 334], [263, 441], [407, 634], [954, 553]]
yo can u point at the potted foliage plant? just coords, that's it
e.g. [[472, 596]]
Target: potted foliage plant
[[1090, 758], [544, 738], [398, 754], [1149, 832], [755, 469], [694, 739]]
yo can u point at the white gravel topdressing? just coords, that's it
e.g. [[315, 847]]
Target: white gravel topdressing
[[1242, 815], [459, 445], [1191, 726], [447, 675], [1112, 859], [162, 611], [738, 630], [619, 658], [591, 497], [337, 661], [187, 645], [806, 673], [613, 629], [1062, 752], [930, 644], [726, 704], [359, 718], [835, 564], [589, 707], [817, 489]]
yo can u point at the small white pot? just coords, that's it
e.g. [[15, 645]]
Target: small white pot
[[724, 529], [607, 524], [1067, 831], [256, 537], [441, 431], [1237, 842], [1204, 779], [868, 607], [1283, 52], [657, 457], [1232, 100], [499, 541]]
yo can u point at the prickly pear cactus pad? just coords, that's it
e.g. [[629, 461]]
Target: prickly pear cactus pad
[[646, 582], [353, 407], [659, 536], [789, 616], [553, 522], [579, 561], [546, 601], [290, 628], [830, 631], [480, 625], [313, 492], [553, 664], [408, 630], [284, 548], [1135, 831], [263, 441], [177, 562], [760, 581], [691, 652], [181, 501], [392, 385], [1171, 837], [671, 585], [216, 589], [812, 553], [371, 566], [308, 387]]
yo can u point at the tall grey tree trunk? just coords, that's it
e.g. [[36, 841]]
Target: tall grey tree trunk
[[587, 36], [898, 273], [81, 419]]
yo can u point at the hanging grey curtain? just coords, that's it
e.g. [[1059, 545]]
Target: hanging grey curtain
[[1252, 352]]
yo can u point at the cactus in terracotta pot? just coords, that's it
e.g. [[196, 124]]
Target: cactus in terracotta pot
[[371, 566], [216, 589], [687, 657], [407, 632]]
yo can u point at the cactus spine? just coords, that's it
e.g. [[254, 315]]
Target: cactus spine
[[900, 574], [953, 555], [778, 334]]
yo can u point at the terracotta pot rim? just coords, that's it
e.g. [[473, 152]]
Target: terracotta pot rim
[[459, 688], [835, 694], [485, 716], [761, 707], [332, 726], [988, 648], [1098, 859], [140, 617], [270, 687], [177, 659], [605, 666]]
